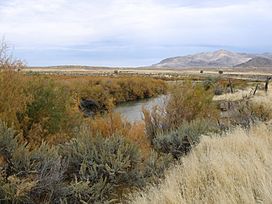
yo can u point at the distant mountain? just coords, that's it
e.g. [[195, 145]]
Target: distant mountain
[[257, 62], [220, 58], [267, 55]]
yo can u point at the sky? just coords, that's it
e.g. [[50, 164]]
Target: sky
[[131, 32]]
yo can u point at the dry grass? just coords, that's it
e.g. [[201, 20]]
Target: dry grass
[[239, 95], [264, 100], [259, 105], [235, 168]]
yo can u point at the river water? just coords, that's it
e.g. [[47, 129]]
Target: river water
[[132, 111]]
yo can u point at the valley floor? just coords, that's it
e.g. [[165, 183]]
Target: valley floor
[[253, 74]]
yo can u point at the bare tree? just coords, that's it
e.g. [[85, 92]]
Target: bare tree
[[7, 62]]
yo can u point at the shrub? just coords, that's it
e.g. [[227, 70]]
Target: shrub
[[209, 83], [136, 135], [218, 91], [8, 142], [47, 112], [12, 96], [46, 107], [113, 124], [179, 142], [186, 103], [28, 176], [118, 90], [101, 165], [86, 169], [155, 166], [189, 102], [109, 125]]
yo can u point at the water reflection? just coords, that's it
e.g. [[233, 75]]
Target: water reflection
[[132, 111]]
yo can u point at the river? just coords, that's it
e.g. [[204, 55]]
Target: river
[[132, 111]]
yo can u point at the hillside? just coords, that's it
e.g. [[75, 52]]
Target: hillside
[[220, 58], [257, 62]]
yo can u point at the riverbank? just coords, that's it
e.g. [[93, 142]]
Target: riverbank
[[48, 105]]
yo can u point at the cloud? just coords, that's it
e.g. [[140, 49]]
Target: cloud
[[137, 25]]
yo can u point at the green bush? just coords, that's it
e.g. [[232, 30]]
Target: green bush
[[218, 91], [28, 176], [108, 167], [48, 111], [179, 142], [50, 102], [121, 89], [101, 165], [209, 83], [85, 170], [8, 142], [155, 166], [186, 102], [189, 102]]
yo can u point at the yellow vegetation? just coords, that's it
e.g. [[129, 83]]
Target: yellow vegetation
[[45, 107], [113, 124], [234, 168], [12, 97], [186, 102]]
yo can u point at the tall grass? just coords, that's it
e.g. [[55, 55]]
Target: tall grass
[[234, 168]]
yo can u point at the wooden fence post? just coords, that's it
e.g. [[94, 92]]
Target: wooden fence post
[[255, 90], [267, 83], [231, 86]]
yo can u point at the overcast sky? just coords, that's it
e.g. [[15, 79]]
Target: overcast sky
[[131, 32]]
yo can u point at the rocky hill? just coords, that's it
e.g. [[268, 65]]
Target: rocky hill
[[257, 62], [219, 58]]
